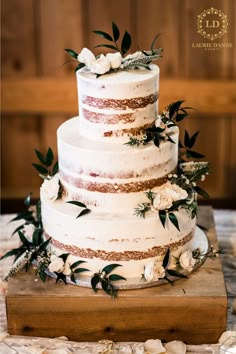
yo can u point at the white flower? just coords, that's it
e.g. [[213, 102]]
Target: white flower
[[114, 59], [86, 57], [56, 265], [101, 65], [28, 231], [162, 198], [154, 346], [175, 347], [176, 192], [154, 271], [68, 263], [50, 188], [159, 123], [187, 261]]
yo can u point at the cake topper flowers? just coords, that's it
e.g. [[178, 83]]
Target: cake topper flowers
[[104, 64]]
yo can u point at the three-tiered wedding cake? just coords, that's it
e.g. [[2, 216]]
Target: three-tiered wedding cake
[[97, 167]]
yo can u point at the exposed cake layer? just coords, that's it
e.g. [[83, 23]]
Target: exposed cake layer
[[103, 238], [119, 104], [108, 174]]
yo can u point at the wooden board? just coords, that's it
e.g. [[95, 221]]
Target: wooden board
[[193, 310]]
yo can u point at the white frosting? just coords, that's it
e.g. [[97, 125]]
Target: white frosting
[[112, 232], [122, 85], [114, 163]]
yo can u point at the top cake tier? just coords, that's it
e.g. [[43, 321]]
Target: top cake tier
[[117, 105]]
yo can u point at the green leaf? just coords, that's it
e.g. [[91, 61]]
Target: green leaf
[[37, 237], [116, 31], [166, 259], [38, 211], [10, 253], [196, 155], [169, 139], [17, 229], [83, 212], [115, 277], [105, 286], [126, 42], [156, 141], [109, 268], [44, 245], [23, 239], [203, 228], [76, 264], [55, 168], [25, 216], [80, 66], [79, 204], [162, 216], [174, 220], [80, 270], [42, 275], [180, 145], [60, 276], [27, 200], [110, 46], [40, 169], [175, 273], [72, 53], [94, 282], [103, 35], [169, 281], [64, 256], [72, 278], [193, 139], [201, 191], [181, 116], [153, 41], [40, 156], [49, 157], [174, 107], [186, 139]]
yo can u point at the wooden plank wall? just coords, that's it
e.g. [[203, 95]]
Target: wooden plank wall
[[34, 34]]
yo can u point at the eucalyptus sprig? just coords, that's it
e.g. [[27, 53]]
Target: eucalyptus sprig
[[81, 205], [27, 252], [104, 278], [48, 168]]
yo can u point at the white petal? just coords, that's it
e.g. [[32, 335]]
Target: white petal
[[175, 347], [154, 346]]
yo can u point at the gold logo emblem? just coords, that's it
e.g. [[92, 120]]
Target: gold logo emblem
[[212, 24]]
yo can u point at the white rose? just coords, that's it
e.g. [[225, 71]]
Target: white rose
[[175, 347], [28, 231], [162, 198], [86, 57], [187, 261], [114, 59], [56, 265], [176, 192], [159, 123], [154, 346], [50, 188], [154, 271], [101, 65], [68, 263], [148, 271], [159, 271]]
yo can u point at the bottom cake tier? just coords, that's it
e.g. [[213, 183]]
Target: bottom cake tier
[[101, 239]]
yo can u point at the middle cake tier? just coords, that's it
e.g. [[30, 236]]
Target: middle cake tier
[[111, 175]]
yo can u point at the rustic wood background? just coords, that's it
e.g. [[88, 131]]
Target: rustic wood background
[[39, 92]]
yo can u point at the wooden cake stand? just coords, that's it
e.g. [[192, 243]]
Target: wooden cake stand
[[194, 310]]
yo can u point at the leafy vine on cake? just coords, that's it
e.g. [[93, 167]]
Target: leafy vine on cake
[[112, 62]]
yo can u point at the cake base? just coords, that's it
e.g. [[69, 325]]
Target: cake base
[[193, 310]]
